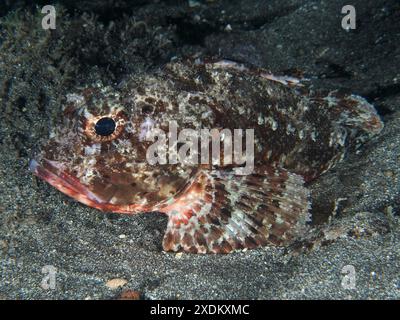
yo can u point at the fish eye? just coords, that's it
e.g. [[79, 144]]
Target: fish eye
[[105, 126]]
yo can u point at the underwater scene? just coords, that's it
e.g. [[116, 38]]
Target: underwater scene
[[199, 150]]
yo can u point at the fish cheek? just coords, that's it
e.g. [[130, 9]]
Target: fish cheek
[[50, 150], [167, 188], [115, 187], [60, 151]]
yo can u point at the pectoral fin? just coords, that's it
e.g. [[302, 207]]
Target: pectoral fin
[[219, 211]]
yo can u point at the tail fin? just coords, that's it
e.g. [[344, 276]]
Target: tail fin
[[219, 211], [353, 112], [362, 117]]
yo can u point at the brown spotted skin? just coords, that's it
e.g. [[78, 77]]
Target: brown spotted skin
[[299, 134]]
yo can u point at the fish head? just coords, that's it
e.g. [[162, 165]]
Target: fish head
[[97, 153]]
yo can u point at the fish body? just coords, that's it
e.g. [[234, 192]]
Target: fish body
[[121, 150]]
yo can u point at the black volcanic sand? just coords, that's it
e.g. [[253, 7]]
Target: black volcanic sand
[[39, 226]]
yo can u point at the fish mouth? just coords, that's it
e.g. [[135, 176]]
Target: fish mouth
[[54, 174]]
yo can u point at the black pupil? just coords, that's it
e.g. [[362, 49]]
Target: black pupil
[[105, 126]]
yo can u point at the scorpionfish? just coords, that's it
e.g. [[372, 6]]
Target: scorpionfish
[[98, 154]]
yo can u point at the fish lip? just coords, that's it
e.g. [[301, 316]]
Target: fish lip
[[64, 182], [60, 179]]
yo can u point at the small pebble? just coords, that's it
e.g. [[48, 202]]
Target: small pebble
[[228, 28], [116, 283], [178, 255], [389, 173]]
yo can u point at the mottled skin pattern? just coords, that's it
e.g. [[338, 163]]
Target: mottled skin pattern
[[298, 136]]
